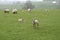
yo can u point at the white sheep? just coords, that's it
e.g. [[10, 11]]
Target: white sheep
[[6, 11], [35, 23], [14, 11], [20, 20], [29, 10]]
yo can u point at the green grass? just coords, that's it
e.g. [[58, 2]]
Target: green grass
[[48, 29]]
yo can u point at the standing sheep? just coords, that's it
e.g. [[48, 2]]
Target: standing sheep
[[6, 11], [14, 11], [35, 23], [29, 9]]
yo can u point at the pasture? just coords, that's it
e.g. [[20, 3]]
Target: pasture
[[48, 29]]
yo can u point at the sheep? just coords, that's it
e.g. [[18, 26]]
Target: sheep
[[35, 23], [14, 11], [29, 9], [20, 20], [6, 11]]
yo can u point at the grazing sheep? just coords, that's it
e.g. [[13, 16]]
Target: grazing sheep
[[20, 20], [14, 11], [35, 23], [29, 10], [6, 11]]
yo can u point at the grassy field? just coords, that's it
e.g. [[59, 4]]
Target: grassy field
[[48, 29]]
